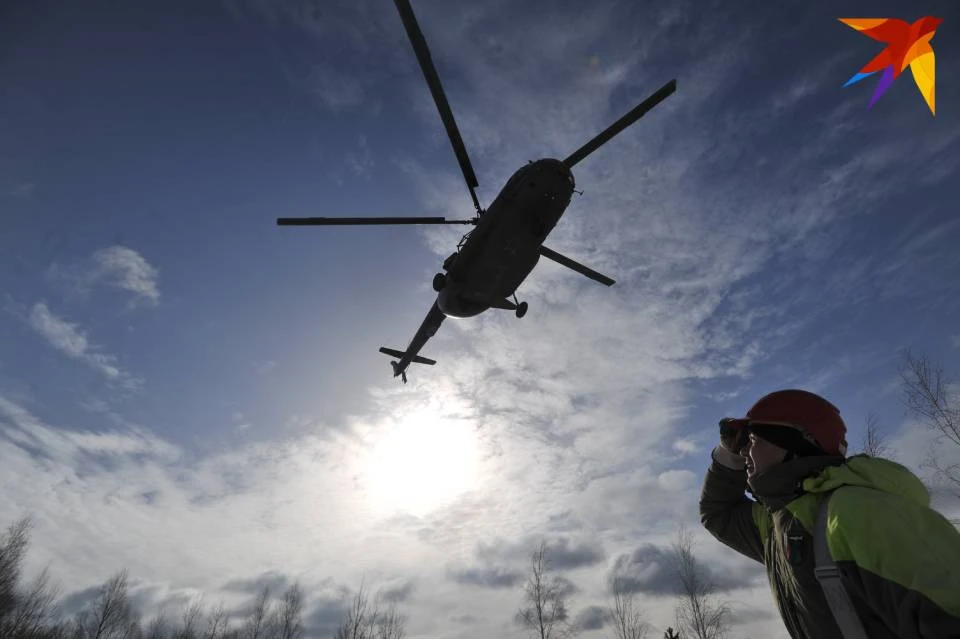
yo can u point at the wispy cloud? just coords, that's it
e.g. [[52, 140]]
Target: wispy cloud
[[126, 269], [23, 190], [361, 161], [334, 88], [72, 341], [68, 447], [118, 267]]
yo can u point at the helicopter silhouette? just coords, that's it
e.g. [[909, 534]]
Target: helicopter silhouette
[[495, 257]]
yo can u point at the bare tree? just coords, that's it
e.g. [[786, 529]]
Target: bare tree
[[874, 442], [391, 624], [157, 628], [628, 622], [216, 623], [545, 610], [367, 620], [698, 614], [357, 620], [31, 614], [13, 546], [926, 395], [289, 616], [111, 616], [190, 621], [670, 634], [257, 622]]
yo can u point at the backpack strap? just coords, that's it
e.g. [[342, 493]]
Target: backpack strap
[[830, 580]]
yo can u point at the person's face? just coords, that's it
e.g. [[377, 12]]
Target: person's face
[[761, 455]]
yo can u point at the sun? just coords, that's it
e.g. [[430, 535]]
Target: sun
[[419, 463]]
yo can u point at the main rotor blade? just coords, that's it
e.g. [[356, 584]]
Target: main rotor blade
[[632, 116], [436, 89], [346, 221]]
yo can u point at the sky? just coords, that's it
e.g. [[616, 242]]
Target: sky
[[194, 394]]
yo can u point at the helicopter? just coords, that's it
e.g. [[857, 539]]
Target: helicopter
[[495, 257]]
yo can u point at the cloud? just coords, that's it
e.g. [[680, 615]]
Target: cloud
[[649, 569], [677, 480], [125, 489], [116, 267], [333, 88], [743, 614], [325, 616], [361, 161], [562, 553], [686, 446], [24, 429], [592, 618], [145, 598], [565, 555], [503, 564], [78, 600], [126, 269], [275, 582], [62, 336], [564, 586], [489, 577], [354, 33], [652, 570], [24, 190], [70, 340], [399, 591]]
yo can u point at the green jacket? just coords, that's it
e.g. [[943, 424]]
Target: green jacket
[[899, 559]]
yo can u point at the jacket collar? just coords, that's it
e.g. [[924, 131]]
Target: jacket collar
[[778, 486]]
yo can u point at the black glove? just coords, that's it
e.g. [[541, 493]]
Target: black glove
[[733, 435]]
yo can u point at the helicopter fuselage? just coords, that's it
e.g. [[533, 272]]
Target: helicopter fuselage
[[504, 247]]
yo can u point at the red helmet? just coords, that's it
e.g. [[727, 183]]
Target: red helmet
[[803, 410]]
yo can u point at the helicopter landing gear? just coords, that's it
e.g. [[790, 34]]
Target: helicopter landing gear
[[439, 281], [521, 307]]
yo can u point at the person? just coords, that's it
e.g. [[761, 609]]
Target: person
[[898, 559]]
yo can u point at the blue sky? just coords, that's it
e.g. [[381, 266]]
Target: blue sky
[[191, 392]]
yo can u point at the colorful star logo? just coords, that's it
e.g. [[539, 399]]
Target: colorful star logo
[[907, 45]]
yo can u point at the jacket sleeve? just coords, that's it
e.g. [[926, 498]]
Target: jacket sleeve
[[725, 510], [902, 559]]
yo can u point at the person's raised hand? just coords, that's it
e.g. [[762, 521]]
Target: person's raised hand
[[733, 435]]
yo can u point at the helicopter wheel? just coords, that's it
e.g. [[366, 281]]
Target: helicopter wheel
[[521, 309], [439, 281]]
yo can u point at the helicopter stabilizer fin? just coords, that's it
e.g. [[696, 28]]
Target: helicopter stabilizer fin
[[576, 266], [399, 354]]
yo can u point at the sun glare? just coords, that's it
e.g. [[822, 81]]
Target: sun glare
[[420, 463]]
